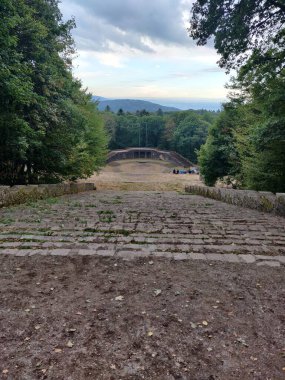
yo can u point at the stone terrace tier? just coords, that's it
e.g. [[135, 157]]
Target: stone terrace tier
[[148, 224]]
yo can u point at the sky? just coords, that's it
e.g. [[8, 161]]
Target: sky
[[140, 49]]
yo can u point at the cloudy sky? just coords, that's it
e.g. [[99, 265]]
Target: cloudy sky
[[141, 49]]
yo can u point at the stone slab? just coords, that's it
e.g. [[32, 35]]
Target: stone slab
[[269, 263]]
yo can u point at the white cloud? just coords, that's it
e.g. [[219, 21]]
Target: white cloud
[[139, 48]]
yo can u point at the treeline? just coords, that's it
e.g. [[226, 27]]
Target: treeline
[[50, 129], [183, 132], [246, 145]]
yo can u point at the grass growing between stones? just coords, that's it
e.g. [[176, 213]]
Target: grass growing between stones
[[7, 221], [49, 201]]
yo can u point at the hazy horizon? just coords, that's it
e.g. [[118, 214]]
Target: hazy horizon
[[180, 103]]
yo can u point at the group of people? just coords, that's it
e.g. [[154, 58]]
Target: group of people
[[184, 171]]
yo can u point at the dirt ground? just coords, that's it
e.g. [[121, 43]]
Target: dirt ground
[[104, 318], [142, 175]]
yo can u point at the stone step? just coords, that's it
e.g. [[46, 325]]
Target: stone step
[[140, 224]]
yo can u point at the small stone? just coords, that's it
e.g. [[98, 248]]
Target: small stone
[[69, 344]]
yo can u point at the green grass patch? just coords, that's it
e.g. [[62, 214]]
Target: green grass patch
[[51, 201], [7, 221]]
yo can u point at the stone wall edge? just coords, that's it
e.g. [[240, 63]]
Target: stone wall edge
[[264, 201], [14, 195]]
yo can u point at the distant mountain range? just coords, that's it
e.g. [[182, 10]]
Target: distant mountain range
[[131, 105]]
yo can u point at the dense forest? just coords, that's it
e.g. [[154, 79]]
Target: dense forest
[[183, 131], [50, 129], [247, 143]]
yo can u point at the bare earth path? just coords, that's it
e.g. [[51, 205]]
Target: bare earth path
[[142, 175], [141, 285]]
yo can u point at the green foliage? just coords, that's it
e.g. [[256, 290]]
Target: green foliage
[[48, 126], [242, 30], [183, 131], [189, 135], [248, 141], [264, 167], [218, 157]]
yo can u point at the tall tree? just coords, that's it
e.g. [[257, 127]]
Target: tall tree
[[189, 135], [42, 126]]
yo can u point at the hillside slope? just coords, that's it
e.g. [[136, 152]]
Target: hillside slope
[[132, 105]]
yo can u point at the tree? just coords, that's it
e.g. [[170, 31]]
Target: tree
[[241, 29], [42, 126], [263, 148], [219, 157], [120, 112], [250, 37], [189, 135]]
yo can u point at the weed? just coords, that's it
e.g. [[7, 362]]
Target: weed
[[48, 233], [34, 220], [51, 200], [106, 212], [32, 204], [116, 202], [7, 221], [75, 204], [183, 193], [107, 219]]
